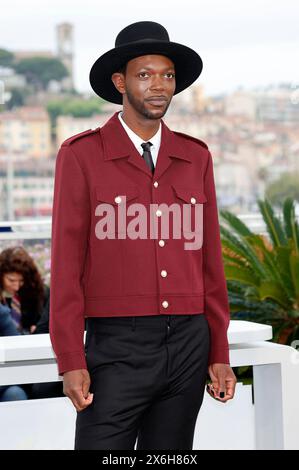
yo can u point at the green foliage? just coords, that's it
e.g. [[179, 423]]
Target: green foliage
[[287, 186], [17, 98], [39, 71], [263, 272], [6, 58], [76, 107]]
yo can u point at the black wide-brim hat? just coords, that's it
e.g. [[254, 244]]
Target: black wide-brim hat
[[137, 39]]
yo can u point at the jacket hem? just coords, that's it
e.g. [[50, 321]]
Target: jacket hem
[[132, 305]]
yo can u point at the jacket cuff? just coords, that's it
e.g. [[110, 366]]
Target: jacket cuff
[[219, 355], [71, 361]]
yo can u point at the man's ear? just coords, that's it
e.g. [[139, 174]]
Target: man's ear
[[119, 82]]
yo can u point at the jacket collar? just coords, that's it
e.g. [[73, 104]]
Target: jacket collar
[[117, 144]]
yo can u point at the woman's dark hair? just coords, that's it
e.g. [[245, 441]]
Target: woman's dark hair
[[31, 293]]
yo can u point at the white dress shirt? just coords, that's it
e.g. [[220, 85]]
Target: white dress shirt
[[137, 141]]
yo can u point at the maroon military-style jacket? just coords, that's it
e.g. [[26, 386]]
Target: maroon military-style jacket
[[121, 275]]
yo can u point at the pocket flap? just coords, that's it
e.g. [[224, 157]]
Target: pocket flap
[[189, 195], [115, 194]]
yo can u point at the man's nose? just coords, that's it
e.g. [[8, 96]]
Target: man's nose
[[157, 83]]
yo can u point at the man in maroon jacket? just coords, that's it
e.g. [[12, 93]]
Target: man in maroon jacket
[[154, 303]]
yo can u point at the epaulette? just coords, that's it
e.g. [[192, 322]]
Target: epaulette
[[195, 139], [72, 139]]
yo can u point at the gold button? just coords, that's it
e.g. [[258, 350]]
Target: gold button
[[158, 213], [156, 184], [163, 273], [117, 199], [161, 242], [193, 200], [165, 303]]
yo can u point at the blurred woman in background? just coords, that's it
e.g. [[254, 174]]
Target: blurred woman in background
[[23, 296], [22, 288]]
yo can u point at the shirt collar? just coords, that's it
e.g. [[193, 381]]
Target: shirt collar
[[155, 140]]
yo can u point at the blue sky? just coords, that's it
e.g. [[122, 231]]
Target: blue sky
[[241, 43]]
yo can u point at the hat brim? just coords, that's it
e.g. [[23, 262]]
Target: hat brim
[[188, 66]]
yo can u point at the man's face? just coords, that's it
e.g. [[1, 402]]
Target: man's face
[[149, 85]]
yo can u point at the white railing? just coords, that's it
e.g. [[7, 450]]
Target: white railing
[[271, 422], [26, 229]]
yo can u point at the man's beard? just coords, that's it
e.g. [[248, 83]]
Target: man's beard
[[141, 109]]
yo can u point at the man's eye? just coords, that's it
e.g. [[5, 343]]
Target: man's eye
[[143, 73], [171, 73]]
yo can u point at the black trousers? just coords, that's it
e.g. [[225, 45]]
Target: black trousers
[[148, 378]]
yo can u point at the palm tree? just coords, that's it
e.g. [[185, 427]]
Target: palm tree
[[263, 272]]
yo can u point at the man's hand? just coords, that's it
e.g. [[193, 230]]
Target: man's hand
[[76, 385], [223, 380]]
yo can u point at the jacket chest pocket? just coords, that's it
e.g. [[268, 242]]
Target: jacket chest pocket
[[112, 203], [190, 204]]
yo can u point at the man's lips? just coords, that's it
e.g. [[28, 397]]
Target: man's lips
[[157, 101]]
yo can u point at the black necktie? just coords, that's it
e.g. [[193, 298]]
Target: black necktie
[[147, 155]]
